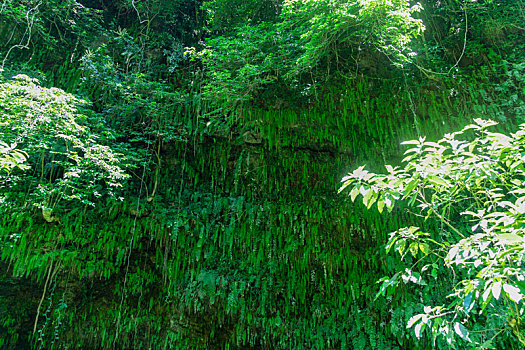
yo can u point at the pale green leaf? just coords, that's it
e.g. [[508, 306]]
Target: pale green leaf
[[438, 181], [461, 331], [410, 187], [510, 238], [413, 248], [354, 193], [411, 142], [496, 289], [413, 320], [380, 205], [418, 330], [425, 249], [513, 293]]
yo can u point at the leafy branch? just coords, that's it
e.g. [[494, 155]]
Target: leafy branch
[[483, 176]]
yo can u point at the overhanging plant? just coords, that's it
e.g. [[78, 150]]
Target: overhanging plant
[[472, 183]]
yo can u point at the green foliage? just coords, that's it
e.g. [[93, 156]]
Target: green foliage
[[141, 110], [512, 91], [228, 232], [474, 187], [66, 166], [463, 36], [66, 145], [240, 65], [326, 28], [181, 20], [217, 222], [52, 25], [225, 15], [11, 158], [305, 42]]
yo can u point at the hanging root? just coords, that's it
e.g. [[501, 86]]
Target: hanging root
[[49, 274]]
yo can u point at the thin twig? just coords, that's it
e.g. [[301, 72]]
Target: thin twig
[[440, 217], [43, 295], [464, 42]]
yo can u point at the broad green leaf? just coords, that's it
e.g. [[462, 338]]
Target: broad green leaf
[[484, 123], [414, 319], [433, 144], [461, 331], [369, 198], [362, 174], [413, 248], [418, 330], [453, 252], [411, 142], [391, 243], [400, 247], [468, 302], [510, 238], [513, 293], [438, 181], [354, 193], [346, 179], [496, 289], [380, 205], [425, 249], [486, 294], [410, 187], [388, 202]]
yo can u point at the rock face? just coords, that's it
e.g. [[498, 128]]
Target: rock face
[[18, 303], [231, 238]]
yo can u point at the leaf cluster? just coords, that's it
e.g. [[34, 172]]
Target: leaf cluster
[[65, 145], [302, 42], [471, 182]]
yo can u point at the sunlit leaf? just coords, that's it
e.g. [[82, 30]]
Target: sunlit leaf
[[461, 331], [513, 293], [354, 193], [380, 205], [438, 181], [414, 319], [496, 289], [414, 247], [425, 249], [510, 238], [418, 330]]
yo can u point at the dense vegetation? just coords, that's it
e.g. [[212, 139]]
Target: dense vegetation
[[170, 174]]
